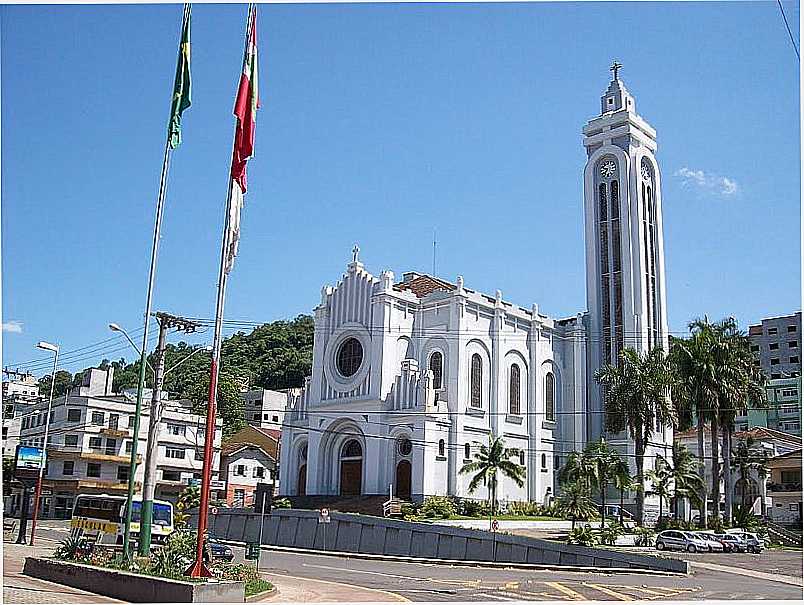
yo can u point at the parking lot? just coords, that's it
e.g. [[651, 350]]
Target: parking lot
[[774, 561]]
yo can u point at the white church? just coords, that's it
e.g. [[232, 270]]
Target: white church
[[410, 376]]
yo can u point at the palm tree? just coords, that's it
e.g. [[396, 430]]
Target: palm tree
[[575, 502], [747, 458], [491, 460], [686, 478], [622, 480], [636, 394], [661, 479], [594, 468]]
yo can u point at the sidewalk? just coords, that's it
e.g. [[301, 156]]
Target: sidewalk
[[18, 588], [292, 589]]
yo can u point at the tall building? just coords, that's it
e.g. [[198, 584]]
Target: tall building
[[91, 438], [265, 408], [410, 377], [777, 342], [782, 410], [20, 391]]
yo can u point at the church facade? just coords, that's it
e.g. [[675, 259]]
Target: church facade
[[410, 376]]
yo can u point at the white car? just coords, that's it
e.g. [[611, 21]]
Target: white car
[[675, 539], [711, 541]]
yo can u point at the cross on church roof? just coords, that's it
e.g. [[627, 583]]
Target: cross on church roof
[[615, 67], [355, 252]]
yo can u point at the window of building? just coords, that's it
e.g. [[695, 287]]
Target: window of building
[[130, 421], [93, 469], [240, 470], [113, 421], [521, 458], [791, 426], [171, 475], [97, 418], [792, 344], [476, 385], [437, 367], [73, 415], [549, 397], [174, 452], [791, 328], [513, 391], [789, 392], [199, 455], [239, 499], [754, 348], [793, 506], [350, 357], [467, 451], [775, 376], [95, 443], [68, 468], [111, 447], [129, 446], [256, 416], [544, 462], [441, 447], [774, 346], [122, 473], [259, 472], [772, 331], [794, 359], [274, 418], [774, 361], [176, 429], [404, 446]]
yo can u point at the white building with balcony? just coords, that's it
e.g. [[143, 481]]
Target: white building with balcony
[[91, 438]]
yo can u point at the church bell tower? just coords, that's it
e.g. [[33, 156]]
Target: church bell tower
[[625, 284]]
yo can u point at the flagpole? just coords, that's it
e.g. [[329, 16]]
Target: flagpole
[[160, 206], [198, 569]]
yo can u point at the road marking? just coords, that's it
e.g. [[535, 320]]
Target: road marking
[[646, 590], [608, 591], [496, 597], [575, 596], [398, 597], [547, 595]]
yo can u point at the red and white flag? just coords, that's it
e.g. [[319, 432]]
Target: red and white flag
[[245, 109]]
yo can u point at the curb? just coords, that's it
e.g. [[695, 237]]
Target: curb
[[461, 563], [261, 595]]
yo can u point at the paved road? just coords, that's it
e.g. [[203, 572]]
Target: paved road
[[318, 578]]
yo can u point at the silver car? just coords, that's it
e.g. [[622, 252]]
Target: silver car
[[712, 541], [674, 539]]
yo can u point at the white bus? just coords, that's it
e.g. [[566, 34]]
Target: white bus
[[102, 519]]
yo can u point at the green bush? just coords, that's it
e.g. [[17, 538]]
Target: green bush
[[437, 507], [645, 536], [281, 503], [474, 508], [582, 536], [610, 533], [524, 509], [73, 549], [256, 586]]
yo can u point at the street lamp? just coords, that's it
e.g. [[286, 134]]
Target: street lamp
[[116, 328], [46, 346]]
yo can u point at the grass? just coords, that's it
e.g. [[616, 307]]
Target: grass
[[256, 586], [506, 518]]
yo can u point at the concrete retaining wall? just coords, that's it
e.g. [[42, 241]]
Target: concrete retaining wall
[[375, 535], [131, 587]]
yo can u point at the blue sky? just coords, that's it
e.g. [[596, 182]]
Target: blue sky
[[379, 124]]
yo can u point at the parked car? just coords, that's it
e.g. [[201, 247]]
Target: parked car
[[220, 552], [753, 543], [712, 541], [673, 539], [732, 543]]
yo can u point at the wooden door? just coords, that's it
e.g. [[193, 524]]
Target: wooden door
[[403, 488], [351, 477]]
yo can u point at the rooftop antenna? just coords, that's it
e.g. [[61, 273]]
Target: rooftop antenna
[[434, 252]]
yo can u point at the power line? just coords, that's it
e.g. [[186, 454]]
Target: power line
[[789, 32]]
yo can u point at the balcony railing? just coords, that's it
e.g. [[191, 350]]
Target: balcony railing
[[784, 487]]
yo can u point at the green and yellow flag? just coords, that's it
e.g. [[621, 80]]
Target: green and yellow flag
[[181, 87]]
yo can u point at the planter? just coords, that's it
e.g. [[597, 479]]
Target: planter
[[132, 587]]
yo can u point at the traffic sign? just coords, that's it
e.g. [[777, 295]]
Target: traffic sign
[[495, 525], [323, 516], [252, 551], [214, 510]]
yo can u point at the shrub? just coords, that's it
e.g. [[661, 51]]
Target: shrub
[[610, 533], [582, 536], [529, 509], [437, 507], [281, 503], [645, 536], [474, 508], [73, 549], [235, 571]]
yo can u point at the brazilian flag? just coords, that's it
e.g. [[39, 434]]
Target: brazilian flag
[[181, 87]]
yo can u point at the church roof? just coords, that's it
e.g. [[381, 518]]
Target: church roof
[[422, 285]]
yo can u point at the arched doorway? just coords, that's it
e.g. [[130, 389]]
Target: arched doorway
[[403, 489], [351, 468], [302, 485]]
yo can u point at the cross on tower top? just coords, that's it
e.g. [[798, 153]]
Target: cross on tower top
[[355, 252], [615, 67]]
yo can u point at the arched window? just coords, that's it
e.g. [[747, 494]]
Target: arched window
[[441, 447], [477, 381], [352, 449], [513, 391], [549, 397], [467, 451], [544, 461], [437, 367]]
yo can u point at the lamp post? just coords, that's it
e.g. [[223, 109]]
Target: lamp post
[[46, 346]]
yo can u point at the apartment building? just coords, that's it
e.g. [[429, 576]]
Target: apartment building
[[782, 411], [777, 342], [265, 408], [19, 392], [91, 438]]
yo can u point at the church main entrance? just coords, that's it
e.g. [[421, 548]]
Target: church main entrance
[[351, 468], [403, 489]]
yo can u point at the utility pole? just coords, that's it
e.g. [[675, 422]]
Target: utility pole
[[166, 322]]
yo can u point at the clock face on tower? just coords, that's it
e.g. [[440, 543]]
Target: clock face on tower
[[608, 169]]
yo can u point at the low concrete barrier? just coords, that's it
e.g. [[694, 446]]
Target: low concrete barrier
[[375, 535], [130, 587]]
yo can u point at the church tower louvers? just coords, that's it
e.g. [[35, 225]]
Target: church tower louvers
[[624, 237]]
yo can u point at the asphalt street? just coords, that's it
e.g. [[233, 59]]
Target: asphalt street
[[394, 581]]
